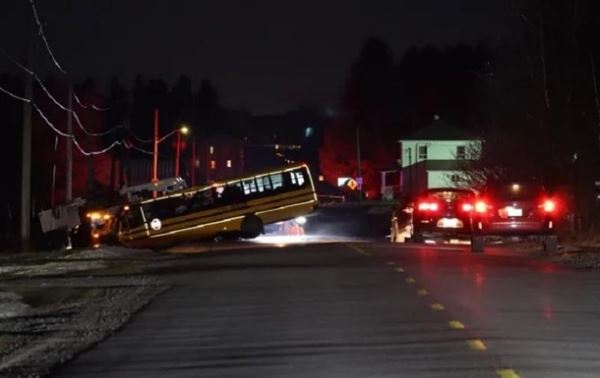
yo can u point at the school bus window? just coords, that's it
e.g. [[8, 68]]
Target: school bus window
[[249, 186], [263, 184], [300, 178], [293, 177], [276, 180], [134, 217]]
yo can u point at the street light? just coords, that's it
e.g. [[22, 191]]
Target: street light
[[181, 130]]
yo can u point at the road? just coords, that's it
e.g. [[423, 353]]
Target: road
[[359, 310]]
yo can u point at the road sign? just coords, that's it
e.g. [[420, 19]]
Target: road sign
[[352, 184]]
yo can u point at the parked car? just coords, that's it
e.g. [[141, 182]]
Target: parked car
[[515, 209], [437, 213]]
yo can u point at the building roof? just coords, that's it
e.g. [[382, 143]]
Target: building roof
[[440, 130]]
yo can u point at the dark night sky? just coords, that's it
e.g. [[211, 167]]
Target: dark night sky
[[267, 56]]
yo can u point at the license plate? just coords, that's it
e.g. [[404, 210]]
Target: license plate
[[514, 212], [450, 223]]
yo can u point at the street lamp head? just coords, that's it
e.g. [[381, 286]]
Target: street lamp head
[[184, 130]]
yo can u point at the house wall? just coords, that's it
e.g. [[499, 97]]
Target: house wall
[[436, 150]]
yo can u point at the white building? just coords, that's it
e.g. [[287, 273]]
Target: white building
[[435, 157]]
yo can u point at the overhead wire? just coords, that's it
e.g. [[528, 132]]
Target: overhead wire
[[43, 36], [44, 117], [115, 143], [92, 106], [53, 99]]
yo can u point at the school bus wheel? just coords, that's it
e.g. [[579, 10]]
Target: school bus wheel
[[252, 226]]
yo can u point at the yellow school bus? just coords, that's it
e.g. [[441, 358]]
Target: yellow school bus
[[239, 206]]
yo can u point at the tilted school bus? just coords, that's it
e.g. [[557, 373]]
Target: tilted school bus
[[239, 206]]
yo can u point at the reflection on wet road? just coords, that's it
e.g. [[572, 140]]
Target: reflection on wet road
[[360, 310]]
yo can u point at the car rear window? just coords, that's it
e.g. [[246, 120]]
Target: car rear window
[[516, 192], [450, 195]]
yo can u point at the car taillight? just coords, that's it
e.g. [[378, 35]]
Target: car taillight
[[467, 207], [428, 206], [549, 206], [481, 207]]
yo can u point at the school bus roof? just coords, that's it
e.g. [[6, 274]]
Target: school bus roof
[[194, 189]]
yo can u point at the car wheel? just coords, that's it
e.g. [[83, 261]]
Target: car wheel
[[477, 243], [252, 226], [550, 243], [417, 238]]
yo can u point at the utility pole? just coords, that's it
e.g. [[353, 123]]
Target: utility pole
[[69, 149], [193, 166], [25, 231], [358, 170], [178, 151], [155, 154], [69, 163]]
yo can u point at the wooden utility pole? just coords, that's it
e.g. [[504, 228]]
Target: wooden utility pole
[[25, 229], [193, 165], [69, 150], [155, 152]]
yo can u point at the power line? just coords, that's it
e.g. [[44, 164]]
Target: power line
[[132, 146], [43, 36], [92, 106], [58, 131], [58, 103], [72, 137], [53, 57]]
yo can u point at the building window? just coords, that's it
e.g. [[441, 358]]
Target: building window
[[228, 163], [422, 152], [213, 164], [211, 150], [461, 152]]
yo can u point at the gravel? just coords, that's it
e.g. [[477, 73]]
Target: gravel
[[49, 315]]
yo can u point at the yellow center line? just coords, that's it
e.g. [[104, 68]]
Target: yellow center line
[[399, 270], [422, 292], [410, 281], [455, 324], [359, 250], [507, 373], [476, 344], [437, 307]]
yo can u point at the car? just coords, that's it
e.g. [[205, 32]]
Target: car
[[440, 213], [515, 209]]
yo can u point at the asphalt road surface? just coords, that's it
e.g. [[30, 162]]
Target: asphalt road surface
[[359, 310]]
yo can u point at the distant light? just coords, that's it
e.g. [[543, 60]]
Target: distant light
[[228, 163], [184, 130], [301, 220], [321, 178], [516, 187], [308, 132], [211, 150], [213, 164]]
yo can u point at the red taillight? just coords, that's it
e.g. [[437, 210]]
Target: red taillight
[[428, 206], [549, 206], [481, 206], [467, 207]]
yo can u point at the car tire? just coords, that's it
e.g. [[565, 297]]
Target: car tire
[[251, 227], [477, 243], [417, 238], [550, 243]]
